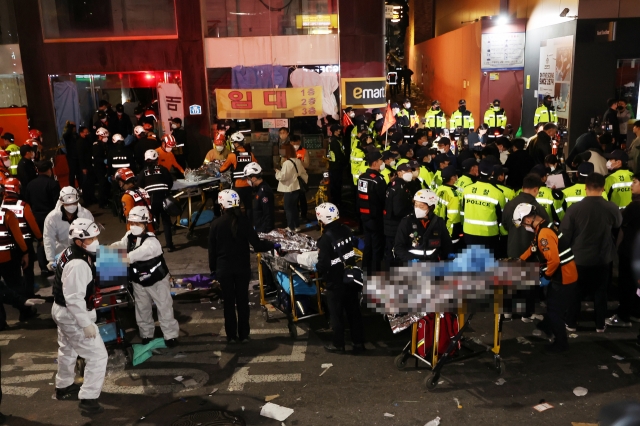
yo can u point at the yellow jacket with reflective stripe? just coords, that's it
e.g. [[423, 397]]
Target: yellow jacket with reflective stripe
[[544, 115], [14, 156], [426, 177], [459, 120], [617, 186], [495, 118], [356, 159], [574, 194], [435, 119], [482, 201], [437, 181], [448, 207]]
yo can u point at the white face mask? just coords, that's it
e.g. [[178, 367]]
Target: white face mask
[[352, 114], [174, 126], [104, 139], [407, 177], [420, 213], [382, 166], [378, 116], [104, 120], [392, 163], [407, 105], [296, 147], [91, 248], [395, 111], [71, 208], [7, 163], [136, 229], [496, 108], [168, 149], [528, 228], [441, 150], [552, 168], [250, 182], [219, 148], [425, 143], [609, 165]]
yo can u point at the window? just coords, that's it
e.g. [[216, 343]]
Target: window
[[72, 19], [256, 18], [8, 31]]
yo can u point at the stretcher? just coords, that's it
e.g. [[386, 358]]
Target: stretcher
[[205, 190], [283, 296]]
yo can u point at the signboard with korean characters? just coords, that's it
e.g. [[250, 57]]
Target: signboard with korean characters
[[269, 103]]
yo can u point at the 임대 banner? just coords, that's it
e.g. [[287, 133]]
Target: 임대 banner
[[269, 103]]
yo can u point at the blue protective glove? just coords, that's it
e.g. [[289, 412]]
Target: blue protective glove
[[544, 281], [277, 248], [451, 256]]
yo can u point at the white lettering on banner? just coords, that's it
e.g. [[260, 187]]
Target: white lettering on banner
[[241, 376], [111, 381], [170, 101]]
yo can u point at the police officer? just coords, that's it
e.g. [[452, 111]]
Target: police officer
[[150, 276], [469, 174], [414, 119], [335, 253], [545, 113], [389, 171], [461, 119], [371, 198], [425, 176], [617, 184], [337, 161], [118, 157], [263, 201], [558, 271], [496, 119], [132, 194], [448, 207], [482, 207], [357, 157], [236, 162], [549, 199], [576, 192], [396, 206], [498, 177], [422, 236], [435, 119], [441, 161], [157, 181], [13, 150]]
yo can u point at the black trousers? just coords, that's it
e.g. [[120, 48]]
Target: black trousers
[[42, 258], [29, 275], [104, 189], [592, 280], [345, 300], [489, 242], [235, 290], [373, 245], [159, 215], [12, 290], [302, 203], [88, 185], [335, 186], [75, 174], [559, 296], [246, 198], [389, 261], [627, 287]]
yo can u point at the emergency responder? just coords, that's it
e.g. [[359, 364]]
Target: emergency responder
[[545, 113], [100, 169], [149, 274], [469, 174], [406, 154], [461, 118], [105, 121], [132, 194], [576, 192], [357, 157], [377, 118], [402, 119], [180, 137], [303, 155], [424, 156], [218, 154], [26, 167], [263, 200], [236, 162], [118, 157], [337, 162], [28, 225], [482, 207], [13, 150], [558, 270], [229, 262], [35, 138], [448, 207], [74, 313], [157, 181], [444, 147], [335, 253], [55, 234], [549, 199], [496, 118], [414, 119], [440, 161], [165, 156], [396, 206], [389, 171], [5, 164], [422, 235], [617, 184], [498, 177], [357, 132], [371, 198], [141, 145], [588, 227], [435, 120]]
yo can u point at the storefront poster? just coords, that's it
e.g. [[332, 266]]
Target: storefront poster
[[502, 51], [269, 103], [554, 75], [171, 104]]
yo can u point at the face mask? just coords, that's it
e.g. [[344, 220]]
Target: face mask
[[407, 177], [378, 116], [609, 165], [529, 228], [91, 248], [496, 108], [392, 163], [296, 147], [395, 111], [104, 120], [174, 126], [219, 148], [382, 166], [250, 182], [420, 213], [462, 108], [168, 149], [138, 116], [71, 208], [436, 108], [119, 114], [552, 168], [7, 163], [136, 230], [104, 139], [352, 114], [547, 104], [407, 105], [425, 143], [441, 150]]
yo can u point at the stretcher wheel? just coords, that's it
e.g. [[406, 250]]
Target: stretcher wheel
[[401, 361], [499, 366], [265, 313], [293, 331], [431, 382]]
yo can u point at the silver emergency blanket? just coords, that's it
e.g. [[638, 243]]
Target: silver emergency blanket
[[290, 241], [473, 282], [207, 171]]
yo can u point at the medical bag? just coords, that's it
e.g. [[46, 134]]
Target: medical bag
[[426, 328]]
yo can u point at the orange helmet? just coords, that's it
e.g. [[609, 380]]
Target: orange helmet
[[12, 185], [125, 174], [35, 133], [32, 142], [169, 141]]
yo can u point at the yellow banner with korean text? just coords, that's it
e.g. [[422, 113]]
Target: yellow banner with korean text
[[269, 103]]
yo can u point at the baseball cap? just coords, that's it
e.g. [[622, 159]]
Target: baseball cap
[[617, 154], [540, 170], [441, 158], [376, 111], [499, 169], [372, 156], [8, 136], [335, 127], [448, 172], [468, 163], [585, 168], [485, 167], [387, 155], [404, 167], [423, 152], [395, 105], [462, 102], [404, 149], [414, 164]]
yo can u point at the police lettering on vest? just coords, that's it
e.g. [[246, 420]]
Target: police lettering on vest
[[242, 159], [71, 253], [146, 272], [17, 207]]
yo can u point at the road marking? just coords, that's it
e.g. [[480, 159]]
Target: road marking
[[27, 378], [111, 386], [6, 338], [34, 367], [297, 355], [19, 391], [382, 344], [241, 376], [196, 358], [196, 318], [265, 331]]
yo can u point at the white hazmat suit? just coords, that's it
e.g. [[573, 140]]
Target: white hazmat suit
[[55, 235]]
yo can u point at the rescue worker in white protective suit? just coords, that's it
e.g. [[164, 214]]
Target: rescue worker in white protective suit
[[74, 313], [55, 234], [150, 275]]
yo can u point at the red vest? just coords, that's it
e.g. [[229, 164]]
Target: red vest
[[17, 207], [300, 154], [6, 240]]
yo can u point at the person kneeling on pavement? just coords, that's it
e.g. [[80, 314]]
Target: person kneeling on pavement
[[150, 275], [74, 313], [335, 259], [558, 271]]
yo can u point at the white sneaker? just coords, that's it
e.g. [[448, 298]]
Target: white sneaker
[[601, 330], [616, 321], [573, 330], [537, 317], [527, 319]]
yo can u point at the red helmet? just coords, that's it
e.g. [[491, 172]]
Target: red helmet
[[32, 142], [169, 141], [125, 174], [12, 185], [4, 154], [35, 133]]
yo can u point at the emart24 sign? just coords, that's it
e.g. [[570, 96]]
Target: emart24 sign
[[364, 92]]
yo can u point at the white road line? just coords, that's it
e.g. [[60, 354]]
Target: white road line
[[262, 331], [382, 344], [34, 367], [196, 318], [10, 336], [297, 355], [111, 386], [196, 358], [27, 378], [19, 391], [241, 376]]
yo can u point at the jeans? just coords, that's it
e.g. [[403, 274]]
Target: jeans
[[291, 209], [344, 299], [591, 280], [235, 290]]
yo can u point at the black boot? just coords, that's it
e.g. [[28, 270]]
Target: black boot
[[3, 418], [334, 350], [171, 343], [70, 393], [91, 406], [147, 340], [27, 313]]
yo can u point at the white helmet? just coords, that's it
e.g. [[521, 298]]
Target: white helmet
[[150, 155], [426, 196], [102, 132], [327, 213], [252, 169], [117, 138], [237, 137], [229, 198], [522, 210], [69, 195], [83, 229], [138, 130], [139, 214]]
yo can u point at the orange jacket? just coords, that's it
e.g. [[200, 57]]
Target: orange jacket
[[231, 161], [548, 247], [167, 159], [127, 204], [14, 227]]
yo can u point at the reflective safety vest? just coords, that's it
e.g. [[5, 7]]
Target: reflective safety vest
[[140, 197], [437, 180], [153, 179], [414, 119], [564, 251], [242, 160], [617, 186], [401, 162], [546, 201], [6, 240], [448, 208], [145, 272], [15, 157], [71, 253], [574, 194], [462, 182], [509, 193], [426, 177], [17, 207], [300, 153], [545, 115], [495, 120], [357, 160], [387, 172], [482, 206], [464, 120], [435, 119]]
